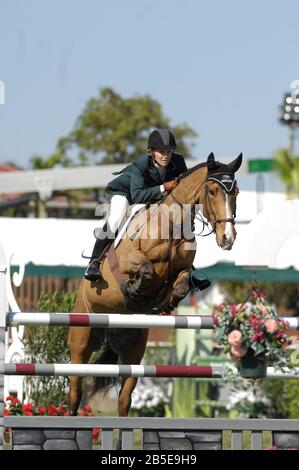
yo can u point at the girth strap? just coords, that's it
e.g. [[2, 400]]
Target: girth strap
[[113, 263]]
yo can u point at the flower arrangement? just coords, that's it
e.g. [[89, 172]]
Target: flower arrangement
[[149, 401], [252, 328], [250, 403], [14, 407]]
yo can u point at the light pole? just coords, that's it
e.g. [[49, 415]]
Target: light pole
[[289, 115]]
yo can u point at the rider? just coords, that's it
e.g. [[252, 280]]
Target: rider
[[146, 180]]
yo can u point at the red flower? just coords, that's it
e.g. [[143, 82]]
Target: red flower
[[95, 433], [87, 408], [15, 402], [258, 337], [6, 412], [279, 335], [258, 294], [255, 322], [61, 410], [86, 411], [28, 413], [9, 398], [28, 407], [52, 410], [233, 310], [42, 410]]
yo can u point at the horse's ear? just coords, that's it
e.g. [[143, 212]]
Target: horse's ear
[[235, 164], [211, 161]]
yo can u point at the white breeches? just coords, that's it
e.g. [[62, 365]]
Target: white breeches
[[118, 208]]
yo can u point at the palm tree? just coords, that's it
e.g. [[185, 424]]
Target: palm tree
[[287, 167]]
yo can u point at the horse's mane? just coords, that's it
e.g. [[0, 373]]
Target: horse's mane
[[191, 170]]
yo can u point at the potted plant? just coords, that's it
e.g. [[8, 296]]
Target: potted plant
[[253, 335]]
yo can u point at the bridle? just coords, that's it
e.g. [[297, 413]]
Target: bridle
[[208, 204], [216, 221]]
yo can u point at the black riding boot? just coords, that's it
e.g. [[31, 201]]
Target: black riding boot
[[92, 272]]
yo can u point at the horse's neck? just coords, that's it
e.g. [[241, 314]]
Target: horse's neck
[[190, 188], [183, 199]]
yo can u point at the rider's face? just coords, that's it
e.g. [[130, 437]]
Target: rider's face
[[163, 156]]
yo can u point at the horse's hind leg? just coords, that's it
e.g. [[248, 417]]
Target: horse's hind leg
[[132, 355], [81, 348]]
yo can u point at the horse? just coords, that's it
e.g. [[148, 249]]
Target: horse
[[152, 271]]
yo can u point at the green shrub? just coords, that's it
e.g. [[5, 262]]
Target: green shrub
[[49, 344]]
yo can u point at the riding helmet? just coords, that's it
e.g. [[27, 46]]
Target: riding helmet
[[160, 139]]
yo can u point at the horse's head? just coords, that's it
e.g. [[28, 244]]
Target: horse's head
[[219, 199]]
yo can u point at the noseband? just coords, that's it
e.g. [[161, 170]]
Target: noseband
[[216, 221]]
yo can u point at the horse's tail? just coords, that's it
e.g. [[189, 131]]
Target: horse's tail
[[107, 356]]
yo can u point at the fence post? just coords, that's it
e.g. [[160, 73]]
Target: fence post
[[3, 310]]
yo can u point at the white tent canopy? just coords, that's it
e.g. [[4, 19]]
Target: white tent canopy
[[270, 240]]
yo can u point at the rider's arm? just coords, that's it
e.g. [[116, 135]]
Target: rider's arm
[[140, 192]]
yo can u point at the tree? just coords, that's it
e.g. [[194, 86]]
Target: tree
[[284, 295], [288, 168], [113, 129], [40, 163]]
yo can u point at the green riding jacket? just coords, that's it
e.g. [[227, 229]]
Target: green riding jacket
[[140, 181]]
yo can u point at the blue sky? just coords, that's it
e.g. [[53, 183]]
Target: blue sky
[[220, 66]]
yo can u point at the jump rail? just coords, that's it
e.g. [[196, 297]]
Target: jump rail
[[116, 320], [112, 370]]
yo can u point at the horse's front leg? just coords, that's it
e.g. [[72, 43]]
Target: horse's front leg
[[180, 289], [141, 273]]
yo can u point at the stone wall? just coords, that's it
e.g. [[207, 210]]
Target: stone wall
[[51, 439], [182, 440], [286, 440]]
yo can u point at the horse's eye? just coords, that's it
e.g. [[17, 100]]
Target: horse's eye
[[212, 192]]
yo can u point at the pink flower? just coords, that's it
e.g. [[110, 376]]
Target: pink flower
[[271, 325], [235, 338], [263, 309], [237, 352]]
